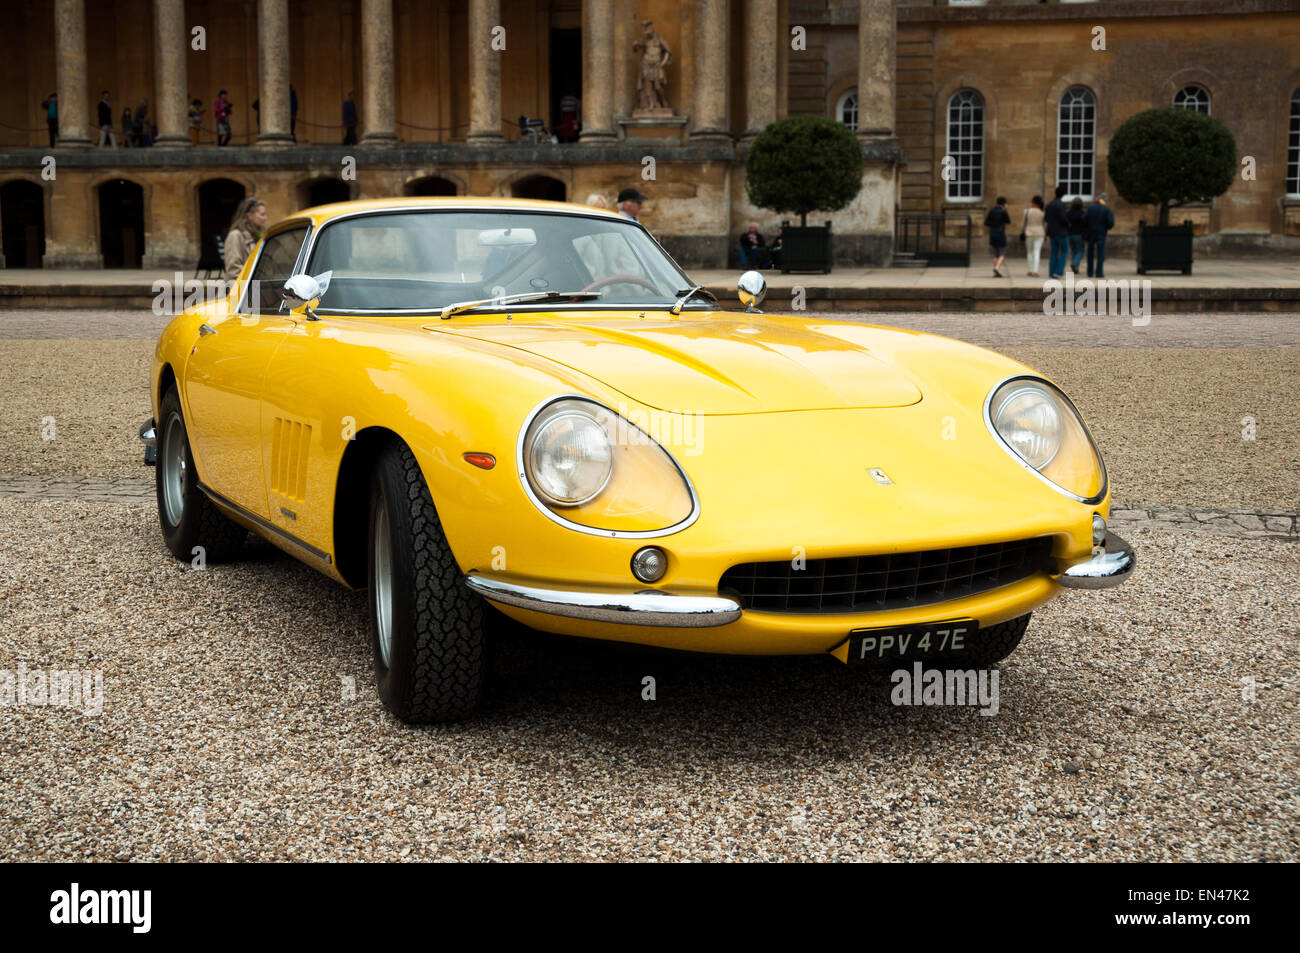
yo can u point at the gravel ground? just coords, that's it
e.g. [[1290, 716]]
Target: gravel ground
[[227, 733]]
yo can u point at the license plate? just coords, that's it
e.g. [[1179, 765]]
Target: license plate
[[907, 642]]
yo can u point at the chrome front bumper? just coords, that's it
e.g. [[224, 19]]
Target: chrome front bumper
[[149, 436], [1106, 569], [647, 607]]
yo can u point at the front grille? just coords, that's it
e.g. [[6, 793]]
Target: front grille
[[874, 583]]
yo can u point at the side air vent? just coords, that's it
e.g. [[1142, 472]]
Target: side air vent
[[290, 441]]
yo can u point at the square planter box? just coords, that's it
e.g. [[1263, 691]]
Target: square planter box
[[1164, 248], [805, 248]]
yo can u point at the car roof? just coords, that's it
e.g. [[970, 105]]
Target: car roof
[[323, 213]]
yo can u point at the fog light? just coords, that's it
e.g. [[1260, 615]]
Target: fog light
[[649, 564], [1098, 529]]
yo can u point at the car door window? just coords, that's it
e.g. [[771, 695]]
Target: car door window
[[274, 266]]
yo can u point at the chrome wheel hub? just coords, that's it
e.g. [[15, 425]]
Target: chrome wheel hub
[[383, 584], [172, 463]]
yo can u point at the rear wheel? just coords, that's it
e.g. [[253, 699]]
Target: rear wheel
[[427, 628], [188, 518]]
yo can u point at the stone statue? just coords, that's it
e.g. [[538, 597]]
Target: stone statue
[[653, 77]]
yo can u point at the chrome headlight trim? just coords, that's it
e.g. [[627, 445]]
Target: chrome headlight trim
[[1069, 406], [522, 472]]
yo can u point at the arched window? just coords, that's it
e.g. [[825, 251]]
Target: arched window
[[965, 173], [1293, 148], [1193, 97], [846, 110], [1076, 141]]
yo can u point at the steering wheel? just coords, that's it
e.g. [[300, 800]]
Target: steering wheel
[[620, 279]]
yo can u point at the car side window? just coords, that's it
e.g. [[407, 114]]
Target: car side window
[[274, 266]]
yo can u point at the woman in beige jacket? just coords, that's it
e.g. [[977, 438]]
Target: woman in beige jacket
[[1032, 233], [245, 229]]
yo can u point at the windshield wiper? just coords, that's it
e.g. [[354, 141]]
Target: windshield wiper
[[523, 296], [690, 293]]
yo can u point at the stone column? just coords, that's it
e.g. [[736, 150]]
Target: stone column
[[377, 63], [597, 74], [273, 81], [710, 71], [171, 40], [70, 69], [484, 74], [877, 33], [760, 65]]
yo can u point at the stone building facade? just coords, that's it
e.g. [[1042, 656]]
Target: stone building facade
[[441, 84]]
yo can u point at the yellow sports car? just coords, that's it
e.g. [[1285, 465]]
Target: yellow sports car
[[461, 404]]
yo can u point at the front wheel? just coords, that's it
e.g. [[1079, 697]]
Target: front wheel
[[427, 628]]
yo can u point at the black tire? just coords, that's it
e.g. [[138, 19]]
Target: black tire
[[434, 671], [995, 643], [191, 519]]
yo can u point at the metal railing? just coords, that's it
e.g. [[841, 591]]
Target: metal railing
[[925, 236]]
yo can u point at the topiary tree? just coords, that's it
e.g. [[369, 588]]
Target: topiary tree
[[803, 164], [1171, 156]]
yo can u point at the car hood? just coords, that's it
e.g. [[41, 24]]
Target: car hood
[[711, 364]]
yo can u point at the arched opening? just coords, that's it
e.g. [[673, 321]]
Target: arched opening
[[540, 187], [121, 224], [431, 185], [323, 192], [22, 210], [218, 199]]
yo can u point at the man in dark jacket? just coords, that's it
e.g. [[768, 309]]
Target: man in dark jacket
[[1057, 223], [104, 113], [751, 246], [1098, 220]]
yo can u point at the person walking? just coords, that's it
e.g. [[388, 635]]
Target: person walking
[[629, 203], [221, 110], [1057, 223], [996, 221], [51, 106], [104, 116], [1099, 220], [751, 246], [245, 230], [1075, 215], [196, 121], [349, 120], [1032, 233]]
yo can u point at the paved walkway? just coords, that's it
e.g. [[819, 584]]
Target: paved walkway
[[1249, 524]]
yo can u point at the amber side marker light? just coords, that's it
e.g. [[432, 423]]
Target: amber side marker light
[[484, 460]]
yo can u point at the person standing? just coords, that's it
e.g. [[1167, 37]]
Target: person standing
[[196, 121], [128, 138], [221, 110], [138, 127], [1099, 220], [1075, 214], [777, 250], [245, 231], [751, 246], [1032, 233], [51, 106], [1057, 223], [349, 120], [104, 114], [629, 203], [996, 222]]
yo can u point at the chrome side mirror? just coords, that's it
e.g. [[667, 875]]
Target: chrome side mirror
[[753, 289], [304, 291]]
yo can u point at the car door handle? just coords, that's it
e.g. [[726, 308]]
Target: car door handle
[[206, 329]]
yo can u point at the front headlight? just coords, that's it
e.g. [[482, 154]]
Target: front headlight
[[590, 469], [1036, 423]]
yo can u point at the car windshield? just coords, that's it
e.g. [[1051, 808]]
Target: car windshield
[[428, 260]]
